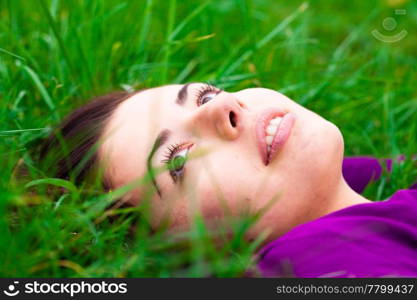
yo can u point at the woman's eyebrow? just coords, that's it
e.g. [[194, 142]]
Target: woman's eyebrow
[[163, 137], [182, 94], [159, 141]]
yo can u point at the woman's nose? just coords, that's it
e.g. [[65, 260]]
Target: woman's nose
[[221, 116]]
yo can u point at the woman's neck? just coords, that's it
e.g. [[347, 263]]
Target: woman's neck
[[343, 197]]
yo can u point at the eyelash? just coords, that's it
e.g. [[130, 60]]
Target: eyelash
[[170, 151], [169, 156], [173, 149], [204, 90]]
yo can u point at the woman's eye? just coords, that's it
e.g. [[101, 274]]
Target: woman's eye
[[207, 97], [176, 157], [178, 161], [206, 94], [176, 165]]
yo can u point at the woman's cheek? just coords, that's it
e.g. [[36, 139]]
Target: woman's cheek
[[210, 201], [179, 216]]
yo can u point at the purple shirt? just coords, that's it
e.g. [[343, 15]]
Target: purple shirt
[[365, 240]]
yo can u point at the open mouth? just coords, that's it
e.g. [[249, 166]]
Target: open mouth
[[273, 129]]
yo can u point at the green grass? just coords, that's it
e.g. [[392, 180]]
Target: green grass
[[54, 55]]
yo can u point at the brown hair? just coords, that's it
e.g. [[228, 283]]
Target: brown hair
[[70, 150]]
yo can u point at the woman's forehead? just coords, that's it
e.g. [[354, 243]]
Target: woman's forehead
[[159, 91], [131, 129], [143, 105]]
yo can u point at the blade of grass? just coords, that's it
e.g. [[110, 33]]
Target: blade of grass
[[12, 54], [337, 58], [186, 71], [42, 90], [145, 29], [190, 17], [11, 132], [170, 27], [265, 40], [58, 37], [53, 181]]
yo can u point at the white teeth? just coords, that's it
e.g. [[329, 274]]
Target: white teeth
[[271, 130], [269, 140], [275, 121]]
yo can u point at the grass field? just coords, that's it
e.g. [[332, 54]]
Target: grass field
[[54, 55]]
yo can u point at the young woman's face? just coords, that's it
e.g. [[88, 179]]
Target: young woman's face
[[214, 146]]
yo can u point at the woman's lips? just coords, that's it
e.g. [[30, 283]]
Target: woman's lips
[[281, 136]]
